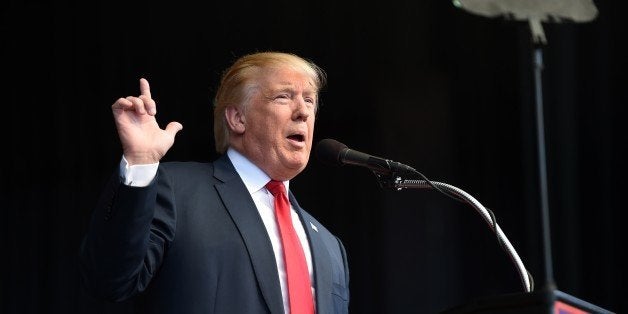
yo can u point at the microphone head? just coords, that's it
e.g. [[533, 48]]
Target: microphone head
[[328, 151]]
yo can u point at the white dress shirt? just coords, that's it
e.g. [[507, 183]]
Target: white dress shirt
[[255, 181]]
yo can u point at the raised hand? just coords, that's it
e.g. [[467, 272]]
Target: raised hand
[[143, 142]]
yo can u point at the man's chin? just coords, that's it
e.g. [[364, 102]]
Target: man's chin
[[293, 168]]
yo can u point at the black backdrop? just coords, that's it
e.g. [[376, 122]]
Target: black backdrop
[[419, 82]]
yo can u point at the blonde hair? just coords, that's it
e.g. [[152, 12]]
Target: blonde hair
[[240, 81]]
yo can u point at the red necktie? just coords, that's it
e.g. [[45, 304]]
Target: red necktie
[[299, 288]]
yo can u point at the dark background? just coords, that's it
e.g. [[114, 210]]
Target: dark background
[[419, 82]]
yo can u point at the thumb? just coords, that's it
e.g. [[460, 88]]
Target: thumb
[[173, 128]]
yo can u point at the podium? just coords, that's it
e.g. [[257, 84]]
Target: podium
[[538, 302]]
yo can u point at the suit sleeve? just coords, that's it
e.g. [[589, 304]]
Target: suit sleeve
[[127, 238]]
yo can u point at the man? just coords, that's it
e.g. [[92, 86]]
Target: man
[[184, 237]]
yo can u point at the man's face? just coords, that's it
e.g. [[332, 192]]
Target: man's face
[[279, 123]]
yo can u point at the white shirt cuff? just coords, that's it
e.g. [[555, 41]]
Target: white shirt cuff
[[137, 175]]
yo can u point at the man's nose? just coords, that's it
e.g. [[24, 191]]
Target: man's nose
[[302, 109]]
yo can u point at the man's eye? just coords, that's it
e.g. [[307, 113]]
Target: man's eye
[[309, 100], [282, 96]]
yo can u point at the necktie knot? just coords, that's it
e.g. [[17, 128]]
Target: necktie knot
[[276, 187]]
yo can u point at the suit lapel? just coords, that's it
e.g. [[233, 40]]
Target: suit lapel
[[246, 218], [320, 260]]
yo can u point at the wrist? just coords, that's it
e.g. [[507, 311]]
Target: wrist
[[140, 159]]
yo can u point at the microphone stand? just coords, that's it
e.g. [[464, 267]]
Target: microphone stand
[[538, 40]]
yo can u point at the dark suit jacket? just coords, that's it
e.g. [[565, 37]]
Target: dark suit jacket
[[193, 242]]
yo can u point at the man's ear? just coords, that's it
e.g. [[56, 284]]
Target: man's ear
[[235, 119]]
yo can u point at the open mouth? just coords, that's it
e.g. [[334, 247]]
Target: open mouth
[[297, 137]]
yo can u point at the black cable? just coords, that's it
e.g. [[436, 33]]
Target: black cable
[[447, 193], [459, 199]]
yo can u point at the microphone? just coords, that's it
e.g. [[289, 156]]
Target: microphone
[[332, 152]]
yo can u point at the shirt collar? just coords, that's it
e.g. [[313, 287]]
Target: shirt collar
[[254, 178]]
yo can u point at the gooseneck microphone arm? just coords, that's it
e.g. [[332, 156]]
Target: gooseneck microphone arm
[[524, 275], [394, 181], [390, 174]]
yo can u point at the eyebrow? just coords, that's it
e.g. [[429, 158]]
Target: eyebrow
[[292, 89], [289, 85]]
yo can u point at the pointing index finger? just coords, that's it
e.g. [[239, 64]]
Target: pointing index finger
[[144, 87]]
